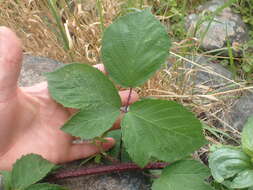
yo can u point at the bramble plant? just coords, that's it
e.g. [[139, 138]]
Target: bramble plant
[[134, 47], [233, 166]]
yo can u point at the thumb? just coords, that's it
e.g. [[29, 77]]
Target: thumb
[[10, 63]]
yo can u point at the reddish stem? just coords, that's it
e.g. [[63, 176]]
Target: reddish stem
[[128, 100], [105, 169], [126, 110]]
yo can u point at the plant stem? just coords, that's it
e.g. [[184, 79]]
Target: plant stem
[[128, 100], [105, 169], [125, 110], [141, 4]]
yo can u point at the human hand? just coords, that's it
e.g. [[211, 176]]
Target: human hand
[[30, 120]]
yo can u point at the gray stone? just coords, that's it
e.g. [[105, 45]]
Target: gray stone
[[209, 75], [114, 181], [33, 69], [32, 73], [226, 25], [133, 180], [242, 109]]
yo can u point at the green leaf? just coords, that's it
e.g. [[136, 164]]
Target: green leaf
[[227, 162], [45, 186], [247, 140], [92, 121], [115, 151], [6, 180], [183, 175], [134, 47], [160, 129], [79, 85], [29, 170], [244, 179], [116, 135]]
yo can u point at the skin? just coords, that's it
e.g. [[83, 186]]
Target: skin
[[30, 120]]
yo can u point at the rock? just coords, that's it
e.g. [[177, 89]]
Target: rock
[[33, 69], [226, 25], [114, 181], [133, 180], [242, 109], [210, 75], [204, 77], [32, 73]]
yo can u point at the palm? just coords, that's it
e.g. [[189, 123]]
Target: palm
[[38, 128], [30, 120], [40, 133]]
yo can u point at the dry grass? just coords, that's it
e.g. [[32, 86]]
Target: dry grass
[[36, 26]]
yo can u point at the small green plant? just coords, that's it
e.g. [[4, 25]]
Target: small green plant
[[27, 171], [134, 47], [233, 166]]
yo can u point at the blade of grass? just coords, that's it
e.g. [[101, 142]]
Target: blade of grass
[[68, 3], [54, 11], [141, 4], [101, 16], [216, 132], [230, 54]]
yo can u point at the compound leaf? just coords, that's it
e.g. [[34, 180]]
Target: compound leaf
[[92, 121], [28, 170], [247, 140], [45, 186], [160, 129], [183, 175], [227, 162], [134, 47], [79, 85]]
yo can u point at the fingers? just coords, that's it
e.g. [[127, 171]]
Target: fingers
[[84, 150], [116, 125], [10, 63], [124, 97]]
